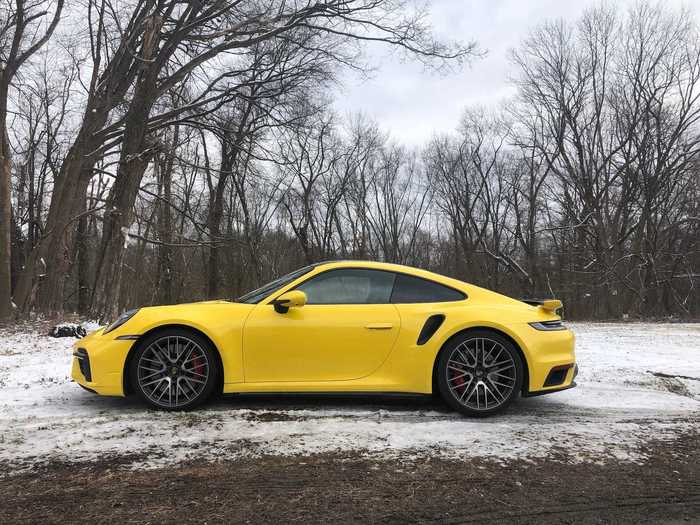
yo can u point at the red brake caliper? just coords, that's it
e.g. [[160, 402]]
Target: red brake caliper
[[198, 365], [459, 382]]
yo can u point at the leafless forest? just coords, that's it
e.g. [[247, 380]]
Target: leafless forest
[[160, 151]]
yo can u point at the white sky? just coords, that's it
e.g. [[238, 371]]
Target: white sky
[[412, 104]]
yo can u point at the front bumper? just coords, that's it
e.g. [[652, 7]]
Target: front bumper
[[98, 363], [83, 359]]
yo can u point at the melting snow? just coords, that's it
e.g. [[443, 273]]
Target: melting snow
[[618, 406]]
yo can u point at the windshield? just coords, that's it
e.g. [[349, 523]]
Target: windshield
[[259, 294]]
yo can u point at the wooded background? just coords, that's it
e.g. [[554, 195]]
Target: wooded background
[[160, 151]]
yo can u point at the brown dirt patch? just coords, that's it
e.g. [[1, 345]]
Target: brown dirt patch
[[344, 488]]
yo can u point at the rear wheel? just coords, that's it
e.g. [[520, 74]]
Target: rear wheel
[[479, 373], [174, 370]]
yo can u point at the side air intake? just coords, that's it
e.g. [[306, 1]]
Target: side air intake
[[429, 328]]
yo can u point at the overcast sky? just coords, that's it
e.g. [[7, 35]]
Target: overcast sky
[[412, 104]]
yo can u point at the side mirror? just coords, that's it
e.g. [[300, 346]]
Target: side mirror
[[292, 299]]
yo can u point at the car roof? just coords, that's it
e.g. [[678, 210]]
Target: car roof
[[400, 268]]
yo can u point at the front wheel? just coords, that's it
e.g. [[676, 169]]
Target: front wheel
[[479, 373], [174, 370]]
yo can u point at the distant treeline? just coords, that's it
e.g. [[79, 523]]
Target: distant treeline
[[179, 151]]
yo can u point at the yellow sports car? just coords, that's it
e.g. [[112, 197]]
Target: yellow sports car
[[342, 326]]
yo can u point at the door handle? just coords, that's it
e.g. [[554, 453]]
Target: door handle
[[379, 326]]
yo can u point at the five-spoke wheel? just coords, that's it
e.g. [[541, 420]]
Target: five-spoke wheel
[[174, 370], [480, 372]]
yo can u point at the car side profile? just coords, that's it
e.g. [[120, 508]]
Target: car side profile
[[341, 326]]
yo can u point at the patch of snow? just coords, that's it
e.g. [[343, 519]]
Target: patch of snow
[[632, 352], [91, 326], [617, 407]]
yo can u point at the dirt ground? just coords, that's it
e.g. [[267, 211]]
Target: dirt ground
[[623, 447], [350, 488]]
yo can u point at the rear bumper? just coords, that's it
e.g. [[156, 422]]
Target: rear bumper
[[551, 360], [550, 391], [557, 388]]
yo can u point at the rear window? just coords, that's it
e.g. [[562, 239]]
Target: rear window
[[409, 289]]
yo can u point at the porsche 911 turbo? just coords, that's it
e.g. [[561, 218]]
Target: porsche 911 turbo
[[340, 327]]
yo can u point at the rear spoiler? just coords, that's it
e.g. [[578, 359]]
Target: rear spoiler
[[548, 305]]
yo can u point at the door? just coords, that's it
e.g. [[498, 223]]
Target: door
[[345, 331]]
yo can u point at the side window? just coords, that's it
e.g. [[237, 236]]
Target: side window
[[349, 286], [409, 289]]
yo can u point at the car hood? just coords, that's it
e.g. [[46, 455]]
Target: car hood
[[196, 308], [194, 304]]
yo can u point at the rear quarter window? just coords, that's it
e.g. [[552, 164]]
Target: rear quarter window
[[409, 289]]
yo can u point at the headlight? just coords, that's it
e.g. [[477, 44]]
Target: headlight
[[123, 318], [548, 326]]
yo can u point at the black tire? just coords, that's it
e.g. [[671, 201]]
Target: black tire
[[479, 393], [189, 383]]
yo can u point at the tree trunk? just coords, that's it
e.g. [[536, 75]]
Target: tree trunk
[[83, 263], [216, 212], [133, 161], [45, 269], [5, 213], [165, 255]]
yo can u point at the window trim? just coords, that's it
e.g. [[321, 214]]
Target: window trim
[[464, 295]]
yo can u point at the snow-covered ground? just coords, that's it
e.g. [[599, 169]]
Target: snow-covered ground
[[618, 406]]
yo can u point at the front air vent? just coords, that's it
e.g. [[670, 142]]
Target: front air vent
[[84, 363], [429, 328]]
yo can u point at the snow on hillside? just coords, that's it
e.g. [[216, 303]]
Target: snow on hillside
[[618, 406]]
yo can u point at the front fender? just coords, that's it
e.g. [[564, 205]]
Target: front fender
[[221, 322]]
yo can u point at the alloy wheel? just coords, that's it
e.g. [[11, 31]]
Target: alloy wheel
[[481, 374], [173, 371]]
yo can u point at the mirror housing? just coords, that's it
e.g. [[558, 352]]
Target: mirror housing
[[291, 299]]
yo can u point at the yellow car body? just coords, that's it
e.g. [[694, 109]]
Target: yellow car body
[[333, 347]]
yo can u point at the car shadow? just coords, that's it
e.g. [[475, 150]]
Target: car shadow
[[320, 402], [324, 402]]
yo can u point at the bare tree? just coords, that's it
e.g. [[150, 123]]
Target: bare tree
[[188, 152], [174, 41], [21, 36], [617, 105], [400, 201]]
